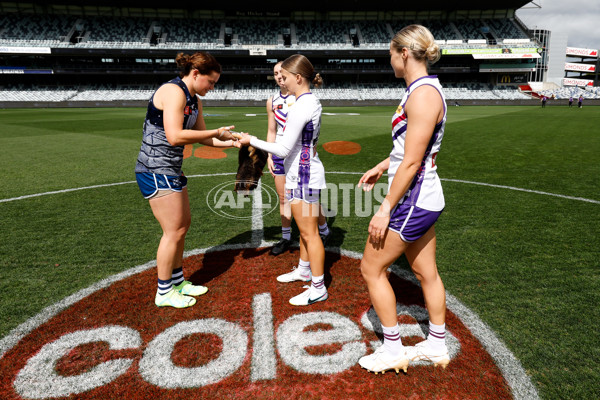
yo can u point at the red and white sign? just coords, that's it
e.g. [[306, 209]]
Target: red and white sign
[[575, 51], [577, 82], [580, 67]]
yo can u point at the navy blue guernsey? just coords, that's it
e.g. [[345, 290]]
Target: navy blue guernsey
[[157, 155]]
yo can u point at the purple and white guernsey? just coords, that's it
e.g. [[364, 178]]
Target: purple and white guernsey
[[281, 105], [425, 191], [297, 145]]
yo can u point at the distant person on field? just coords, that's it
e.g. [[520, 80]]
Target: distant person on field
[[278, 107], [571, 101], [580, 102], [404, 223], [173, 119], [544, 100]]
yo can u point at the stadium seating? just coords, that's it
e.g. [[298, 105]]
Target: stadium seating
[[33, 29], [374, 32], [89, 32], [323, 32], [565, 92], [130, 32], [201, 31], [262, 91], [479, 91]]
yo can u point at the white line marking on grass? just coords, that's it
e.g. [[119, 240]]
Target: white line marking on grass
[[28, 196], [523, 190], [258, 233], [329, 172], [512, 370]]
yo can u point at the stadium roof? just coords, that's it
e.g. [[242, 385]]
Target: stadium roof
[[307, 5]]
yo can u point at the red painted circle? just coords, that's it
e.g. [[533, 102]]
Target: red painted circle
[[209, 153], [234, 278], [341, 147]]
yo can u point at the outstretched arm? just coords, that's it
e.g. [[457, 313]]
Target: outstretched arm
[[171, 100], [293, 129], [368, 180]]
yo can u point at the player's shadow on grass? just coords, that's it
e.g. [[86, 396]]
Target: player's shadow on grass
[[217, 263], [273, 233]]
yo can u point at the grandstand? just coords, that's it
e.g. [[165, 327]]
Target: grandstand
[[65, 53]]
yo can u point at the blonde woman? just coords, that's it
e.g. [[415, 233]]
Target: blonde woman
[[304, 173], [404, 223], [174, 119]]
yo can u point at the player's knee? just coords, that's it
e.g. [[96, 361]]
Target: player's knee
[[177, 234], [309, 237], [426, 277], [369, 270]]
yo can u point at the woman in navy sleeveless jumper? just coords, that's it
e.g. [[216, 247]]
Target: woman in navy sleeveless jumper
[[174, 119]]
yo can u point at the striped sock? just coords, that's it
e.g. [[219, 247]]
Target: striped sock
[[164, 286], [437, 336], [177, 276], [286, 233], [324, 229], [317, 285], [392, 343]]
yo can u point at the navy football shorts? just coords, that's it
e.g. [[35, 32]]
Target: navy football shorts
[[150, 183]]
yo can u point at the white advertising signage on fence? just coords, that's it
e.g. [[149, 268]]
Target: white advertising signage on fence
[[577, 82], [580, 67], [575, 51], [24, 50]]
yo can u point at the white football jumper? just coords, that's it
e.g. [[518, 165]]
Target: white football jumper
[[425, 191], [280, 105], [302, 165]]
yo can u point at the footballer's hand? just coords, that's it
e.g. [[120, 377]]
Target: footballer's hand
[[271, 166], [378, 228], [224, 133], [244, 138], [236, 135], [368, 180]]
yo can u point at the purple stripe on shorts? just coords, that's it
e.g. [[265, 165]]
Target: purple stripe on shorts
[[412, 222], [304, 194]]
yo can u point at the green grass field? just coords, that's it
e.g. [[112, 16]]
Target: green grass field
[[526, 262]]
